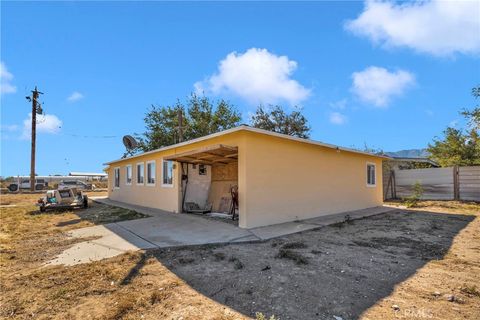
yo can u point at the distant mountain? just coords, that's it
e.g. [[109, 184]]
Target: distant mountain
[[410, 153]]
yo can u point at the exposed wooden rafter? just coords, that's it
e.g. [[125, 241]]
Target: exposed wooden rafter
[[214, 154]]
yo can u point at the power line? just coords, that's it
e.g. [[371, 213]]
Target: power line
[[87, 136]]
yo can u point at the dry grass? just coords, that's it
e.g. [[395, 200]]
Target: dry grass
[[125, 287], [459, 207], [22, 199], [428, 293], [136, 285]]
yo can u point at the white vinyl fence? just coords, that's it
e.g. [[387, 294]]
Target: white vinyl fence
[[452, 183]]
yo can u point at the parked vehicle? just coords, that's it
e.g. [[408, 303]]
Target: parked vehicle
[[75, 184], [62, 199], [24, 183], [45, 182]]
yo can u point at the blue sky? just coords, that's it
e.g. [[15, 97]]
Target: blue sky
[[387, 75]]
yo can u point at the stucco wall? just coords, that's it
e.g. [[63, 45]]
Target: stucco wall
[[279, 180], [288, 180], [168, 199]]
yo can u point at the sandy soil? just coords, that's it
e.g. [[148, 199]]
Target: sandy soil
[[130, 286], [403, 264], [421, 263]]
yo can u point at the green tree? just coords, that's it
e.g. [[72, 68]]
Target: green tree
[[473, 116], [277, 120], [450, 150], [458, 146], [201, 117]]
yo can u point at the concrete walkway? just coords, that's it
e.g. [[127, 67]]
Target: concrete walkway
[[165, 229]]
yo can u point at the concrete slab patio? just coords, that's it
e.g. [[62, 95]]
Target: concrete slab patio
[[165, 229]]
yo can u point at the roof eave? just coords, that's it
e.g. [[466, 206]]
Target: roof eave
[[251, 129]]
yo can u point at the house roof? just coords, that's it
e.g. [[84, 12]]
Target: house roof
[[422, 160], [250, 129], [89, 174]]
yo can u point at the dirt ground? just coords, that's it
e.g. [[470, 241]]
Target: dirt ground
[[125, 287], [420, 263], [407, 260]]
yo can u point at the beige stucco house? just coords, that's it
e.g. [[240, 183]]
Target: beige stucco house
[[280, 178]]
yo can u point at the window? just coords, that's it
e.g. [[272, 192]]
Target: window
[[151, 173], [202, 170], [128, 174], [371, 175], [117, 178], [64, 193], [167, 174], [140, 173]]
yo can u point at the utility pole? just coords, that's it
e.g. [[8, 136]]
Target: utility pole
[[180, 125], [36, 108]]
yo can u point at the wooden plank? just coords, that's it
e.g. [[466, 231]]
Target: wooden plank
[[470, 185], [437, 183], [469, 178], [233, 155], [440, 183], [212, 148]]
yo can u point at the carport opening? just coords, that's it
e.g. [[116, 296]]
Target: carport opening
[[209, 181]]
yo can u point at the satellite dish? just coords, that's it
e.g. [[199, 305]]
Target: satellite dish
[[129, 142]]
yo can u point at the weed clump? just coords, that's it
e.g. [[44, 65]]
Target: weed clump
[[237, 264], [292, 255], [294, 245], [219, 256], [471, 290], [186, 260], [261, 316]]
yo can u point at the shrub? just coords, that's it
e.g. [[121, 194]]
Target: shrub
[[412, 201]]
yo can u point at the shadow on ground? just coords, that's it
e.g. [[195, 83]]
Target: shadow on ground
[[339, 270], [96, 213]]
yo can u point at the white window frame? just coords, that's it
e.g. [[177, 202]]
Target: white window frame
[[370, 185], [167, 185], [115, 170], [128, 166], [154, 173], [136, 173]]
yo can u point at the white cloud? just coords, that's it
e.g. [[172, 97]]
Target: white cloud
[[378, 86], [5, 80], [340, 104], [337, 118], [48, 123], [429, 112], [8, 127], [453, 123], [75, 96], [436, 27], [257, 76]]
